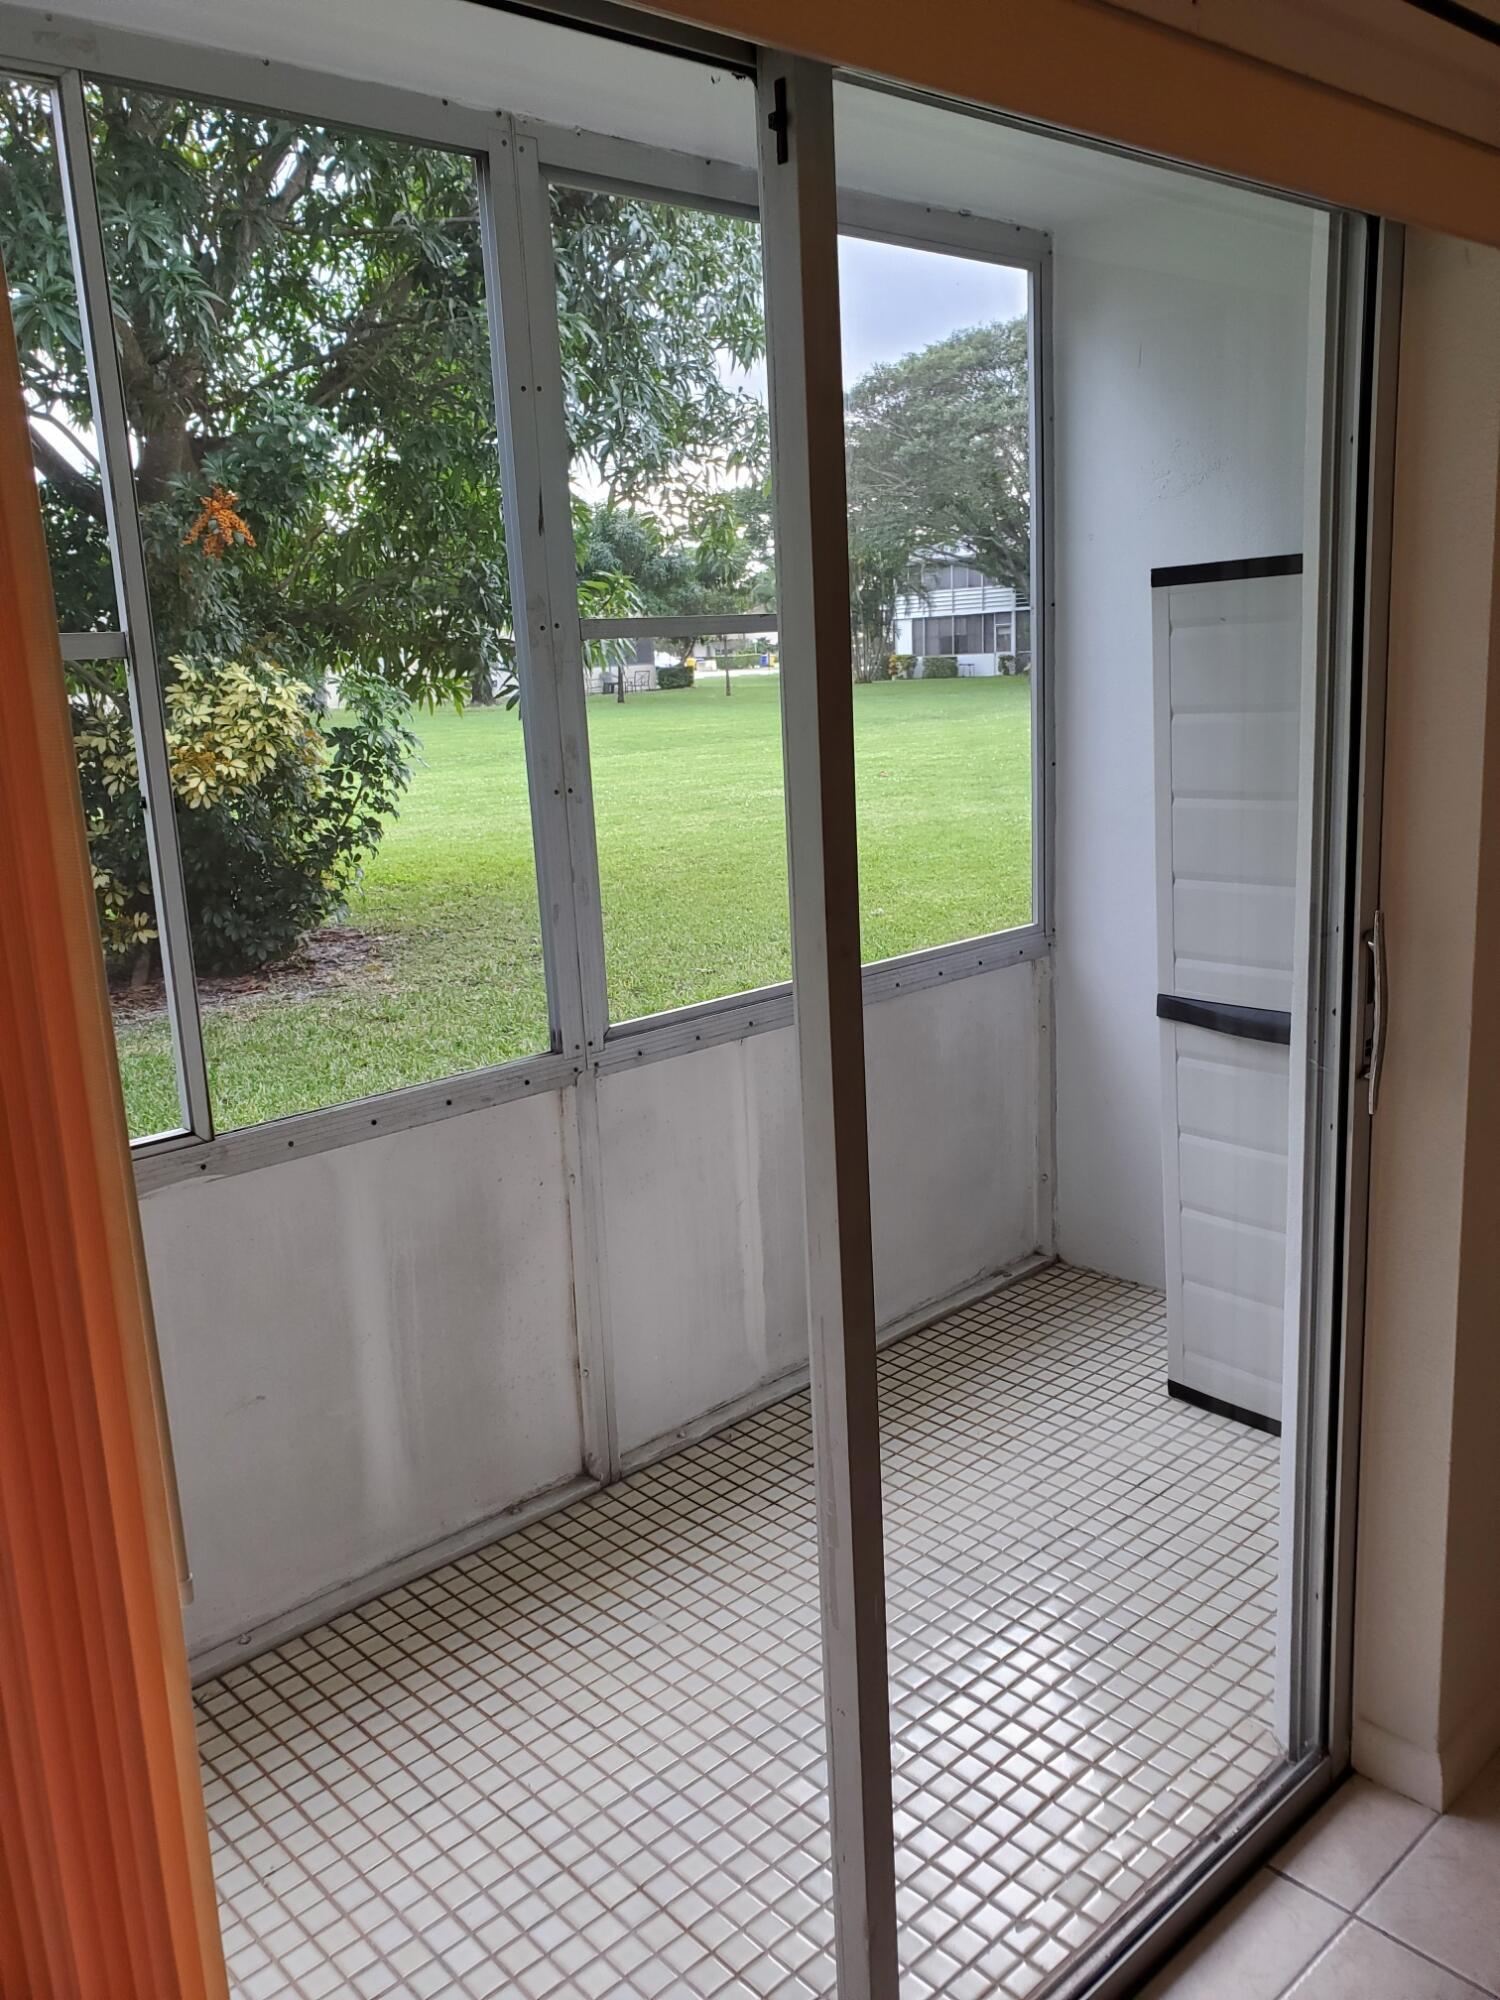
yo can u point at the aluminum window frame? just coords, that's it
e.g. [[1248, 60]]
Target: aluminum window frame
[[1349, 472], [42, 49], [1355, 321], [133, 639], [1349, 469], [570, 157], [1353, 460], [197, 1148]]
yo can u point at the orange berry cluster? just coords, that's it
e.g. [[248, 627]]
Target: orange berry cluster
[[218, 527]]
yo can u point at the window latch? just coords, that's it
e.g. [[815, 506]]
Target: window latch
[[779, 120]]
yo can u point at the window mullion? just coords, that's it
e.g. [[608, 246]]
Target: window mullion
[[527, 362], [1040, 591], [800, 251], [143, 675], [544, 585]]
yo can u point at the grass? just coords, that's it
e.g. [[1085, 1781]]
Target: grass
[[447, 974]]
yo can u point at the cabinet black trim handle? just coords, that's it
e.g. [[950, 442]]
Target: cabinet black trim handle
[[1226, 1017], [1244, 569]]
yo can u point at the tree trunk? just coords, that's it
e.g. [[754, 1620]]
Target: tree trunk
[[166, 453]]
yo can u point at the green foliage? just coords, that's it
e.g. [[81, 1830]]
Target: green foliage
[[694, 896], [304, 346], [301, 323], [44, 309], [939, 667], [902, 666], [724, 568], [651, 297], [939, 455], [277, 807], [735, 662], [938, 459], [675, 677], [879, 568]]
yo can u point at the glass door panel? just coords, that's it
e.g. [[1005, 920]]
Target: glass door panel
[[938, 429], [1089, 1595]]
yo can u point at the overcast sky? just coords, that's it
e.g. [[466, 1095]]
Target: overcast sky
[[893, 301]]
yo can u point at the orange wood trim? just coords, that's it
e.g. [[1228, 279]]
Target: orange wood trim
[[106, 1889], [1089, 67]]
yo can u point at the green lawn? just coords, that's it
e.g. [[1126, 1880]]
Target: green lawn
[[446, 975]]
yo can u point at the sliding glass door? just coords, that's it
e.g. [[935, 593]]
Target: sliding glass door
[[1109, 1480], [821, 648]]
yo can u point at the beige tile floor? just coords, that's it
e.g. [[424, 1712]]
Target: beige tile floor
[[1375, 1899], [588, 1760]]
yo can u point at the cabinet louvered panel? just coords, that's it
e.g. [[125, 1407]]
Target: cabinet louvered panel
[[1227, 689]]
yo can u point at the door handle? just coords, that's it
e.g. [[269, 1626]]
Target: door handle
[[1375, 1062]]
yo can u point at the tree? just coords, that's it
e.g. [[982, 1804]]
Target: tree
[[659, 309], [304, 346], [300, 325], [880, 569], [938, 460], [721, 566]]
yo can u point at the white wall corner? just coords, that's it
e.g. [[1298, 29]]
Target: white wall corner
[[1432, 1773], [1413, 1769]]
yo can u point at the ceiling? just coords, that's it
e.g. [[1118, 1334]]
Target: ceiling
[[485, 57]]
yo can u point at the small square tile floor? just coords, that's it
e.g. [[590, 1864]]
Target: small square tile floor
[[588, 1760], [1375, 1899]]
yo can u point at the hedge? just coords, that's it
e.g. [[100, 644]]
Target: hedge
[[940, 667]]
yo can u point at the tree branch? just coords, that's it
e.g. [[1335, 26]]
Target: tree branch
[[368, 333], [240, 240], [60, 471], [294, 187], [46, 417], [338, 367]]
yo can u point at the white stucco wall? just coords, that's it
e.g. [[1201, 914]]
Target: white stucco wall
[[1180, 363], [365, 1351], [372, 1351], [705, 1270]]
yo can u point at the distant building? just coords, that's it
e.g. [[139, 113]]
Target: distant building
[[959, 611]]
